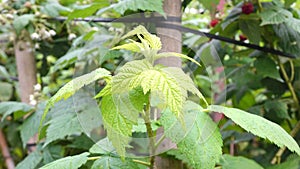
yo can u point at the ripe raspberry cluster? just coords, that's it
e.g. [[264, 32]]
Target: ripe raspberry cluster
[[214, 22], [247, 8]]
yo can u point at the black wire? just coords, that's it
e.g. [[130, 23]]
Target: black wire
[[161, 22], [141, 19], [225, 39], [11, 78]]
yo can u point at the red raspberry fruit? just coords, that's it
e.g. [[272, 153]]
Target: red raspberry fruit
[[247, 8], [214, 22], [243, 37]]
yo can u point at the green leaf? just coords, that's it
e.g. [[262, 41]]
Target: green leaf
[[274, 15], [7, 108], [247, 24], [110, 55], [3, 71], [74, 85], [106, 90], [103, 146], [138, 99], [31, 125], [209, 4], [277, 107], [291, 42], [134, 5], [87, 110], [171, 87], [125, 106], [118, 127], [62, 126], [234, 162], [134, 47], [22, 21], [288, 3], [244, 100], [167, 87], [290, 163], [68, 59], [70, 162], [87, 10], [6, 91], [185, 82], [266, 67], [259, 126], [52, 153], [128, 76], [114, 163], [31, 161], [53, 8], [200, 143], [294, 23]]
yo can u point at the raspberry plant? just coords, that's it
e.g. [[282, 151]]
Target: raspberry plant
[[138, 88]]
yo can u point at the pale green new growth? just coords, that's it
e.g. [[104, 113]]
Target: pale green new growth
[[118, 127], [134, 47], [185, 82], [169, 54], [152, 40], [74, 85], [259, 126], [171, 83], [149, 45]]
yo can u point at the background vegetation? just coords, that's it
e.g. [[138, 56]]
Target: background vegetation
[[38, 46]]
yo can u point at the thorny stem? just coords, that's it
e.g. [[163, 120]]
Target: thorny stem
[[151, 135], [279, 153]]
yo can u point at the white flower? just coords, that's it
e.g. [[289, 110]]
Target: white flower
[[33, 102], [37, 87], [35, 36], [46, 34], [95, 28], [37, 14], [36, 46], [52, 32], [31, 97], [71, 36], [9, 16]]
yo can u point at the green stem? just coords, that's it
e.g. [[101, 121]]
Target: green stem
[[151, 135], [292, 70], [205, 110], [289, 83], [161, 139], [136, 161], [94, 158], [142, 162]]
